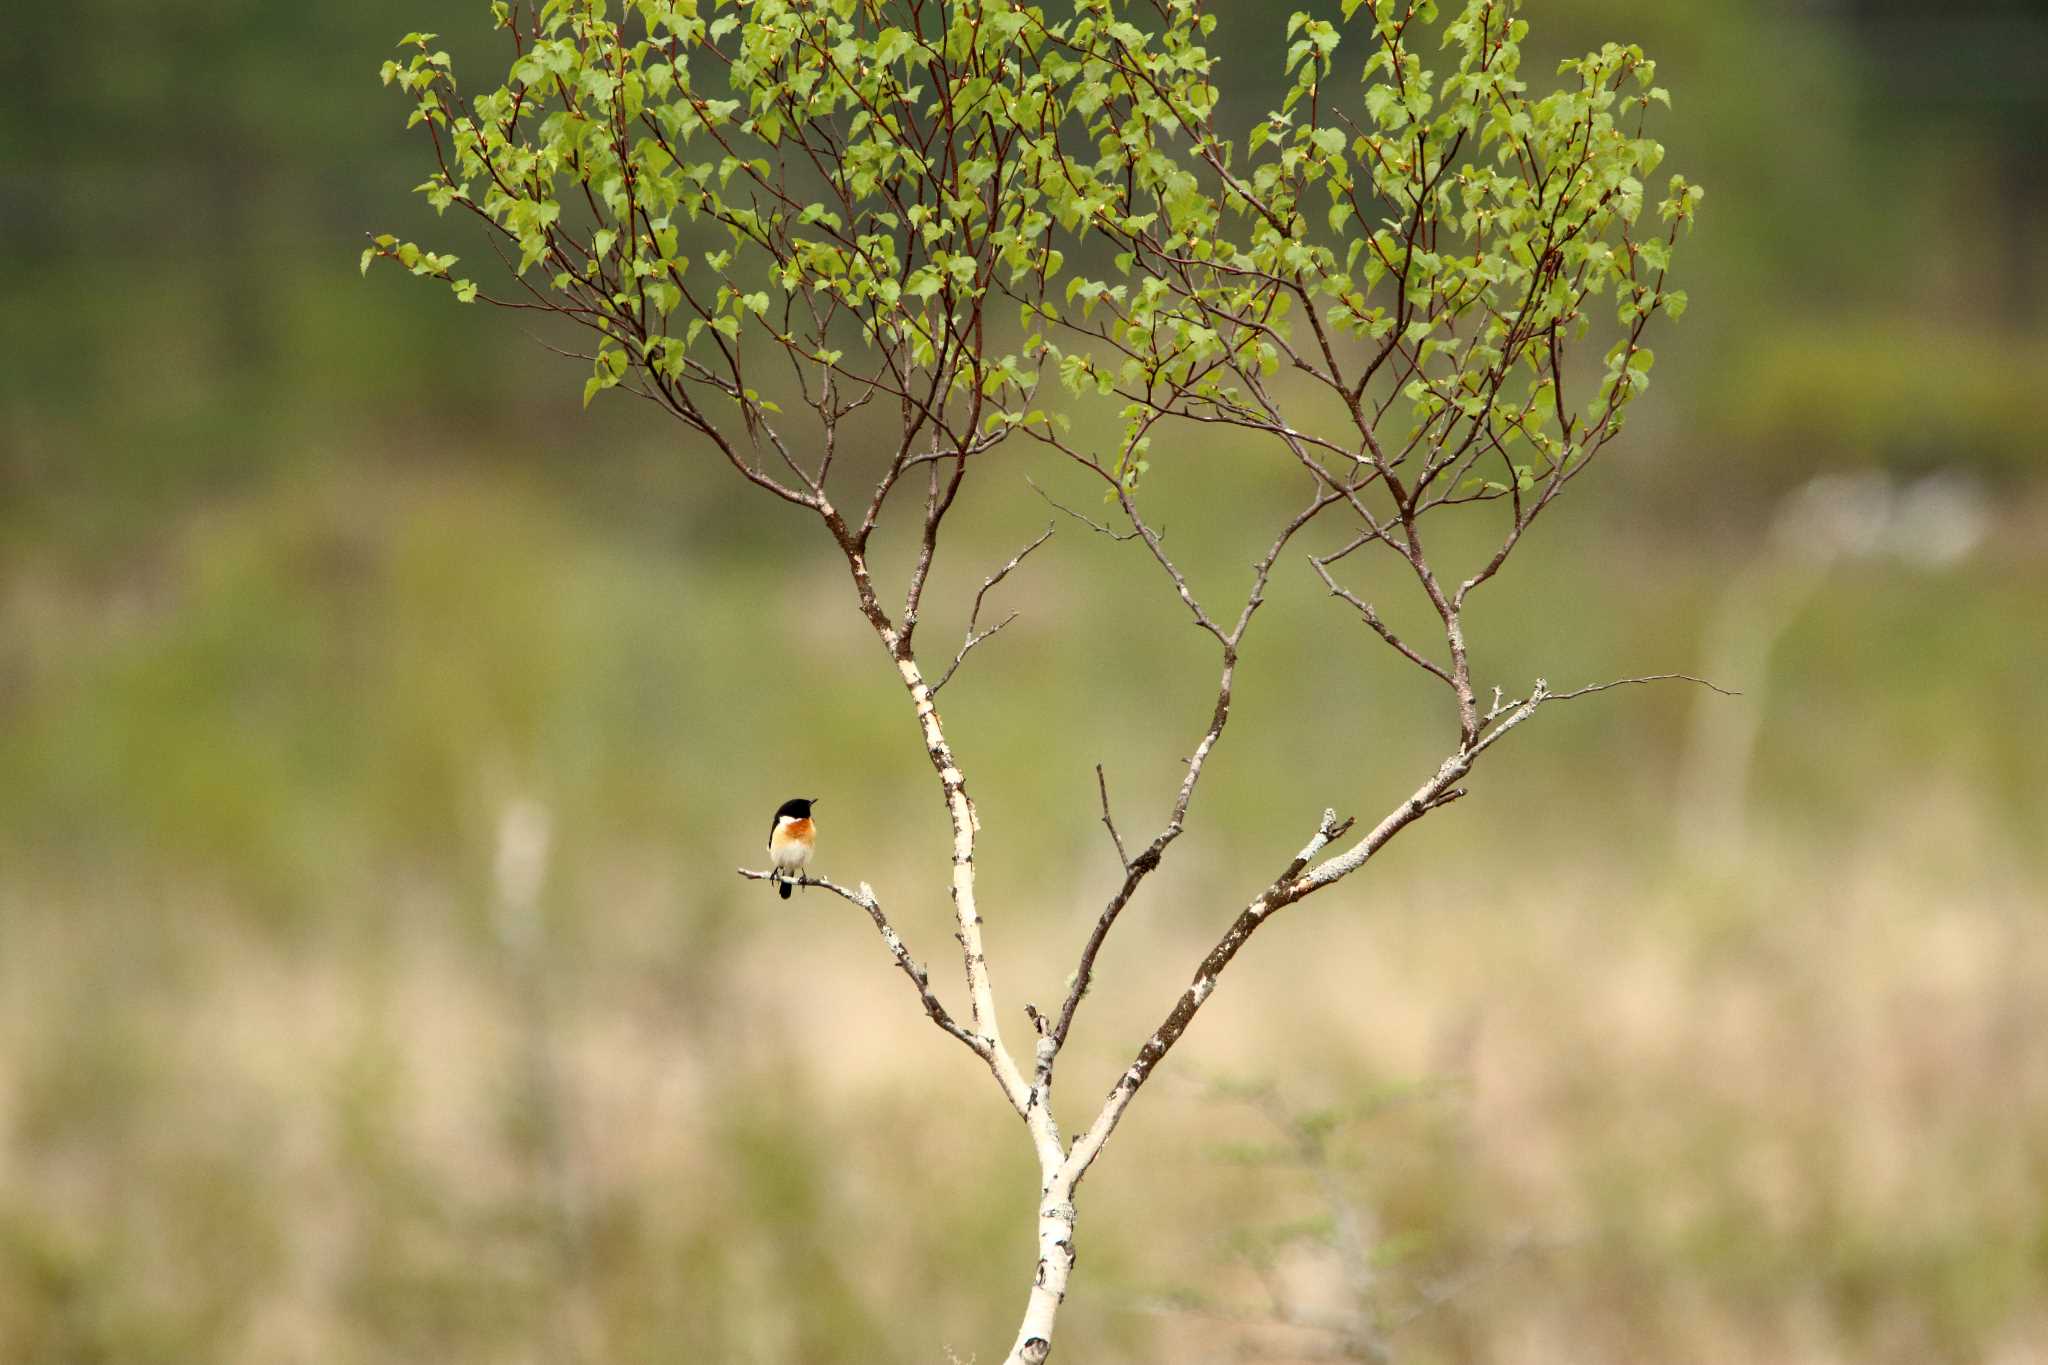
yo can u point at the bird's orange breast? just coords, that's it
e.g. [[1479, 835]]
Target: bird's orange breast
[[796, 831]]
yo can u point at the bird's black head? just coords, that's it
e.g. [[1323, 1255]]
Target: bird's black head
[[797, 808]]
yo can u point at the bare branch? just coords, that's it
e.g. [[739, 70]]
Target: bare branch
[[973, 639], [1088, 522], [1513, 712], [1645, 678], [1102, 784], [1138, 868], [1295, 882], [1284, 890], [974, 615], [864, 897], [1372, 618], [1000, 574], [1328, 831], [1135, 871]]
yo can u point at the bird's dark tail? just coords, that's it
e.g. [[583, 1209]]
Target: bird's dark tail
[[783, 886]]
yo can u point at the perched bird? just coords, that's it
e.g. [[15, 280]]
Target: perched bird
[[791, 840]]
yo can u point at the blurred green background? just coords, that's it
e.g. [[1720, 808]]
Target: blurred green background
[[378, 734]]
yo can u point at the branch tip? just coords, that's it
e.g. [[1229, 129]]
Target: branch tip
[[1089, 522], [1630, 682]]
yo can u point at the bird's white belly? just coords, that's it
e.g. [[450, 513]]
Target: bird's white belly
[[789, 854]]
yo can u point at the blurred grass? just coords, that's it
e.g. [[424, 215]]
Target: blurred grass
[[266, 1093], [304, 582]]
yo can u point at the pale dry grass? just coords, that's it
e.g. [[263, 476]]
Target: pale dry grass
[[1799, 1115]]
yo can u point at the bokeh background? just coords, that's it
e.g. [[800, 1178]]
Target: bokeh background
[[379, 732]]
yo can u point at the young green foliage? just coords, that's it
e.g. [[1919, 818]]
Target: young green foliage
[[854, 182]]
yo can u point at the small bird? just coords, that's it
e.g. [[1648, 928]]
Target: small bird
[[791, 840]]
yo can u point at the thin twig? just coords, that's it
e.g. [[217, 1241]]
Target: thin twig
[[1517, 709], [973, 637], [1372, 618], [1645, 678], [972, 640], [1102, 785], [1148, 859], [1000, 574], [1089, 522]]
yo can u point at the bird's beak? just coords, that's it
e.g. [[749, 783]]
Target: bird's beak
[[814, 800]]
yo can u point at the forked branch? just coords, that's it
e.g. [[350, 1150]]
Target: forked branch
[[1147, 860], [974, 616]]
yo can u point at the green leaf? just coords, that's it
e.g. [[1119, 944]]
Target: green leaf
[[1502, 203]]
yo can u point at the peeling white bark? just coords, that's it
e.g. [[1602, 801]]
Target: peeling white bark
[[1049, 1285], [1029, 1101]]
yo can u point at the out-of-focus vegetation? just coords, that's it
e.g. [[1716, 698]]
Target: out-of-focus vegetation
[[305, 583]]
